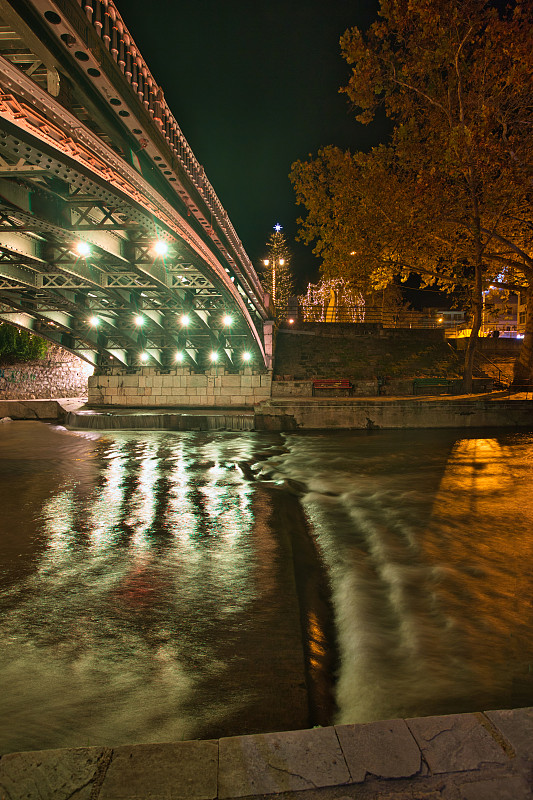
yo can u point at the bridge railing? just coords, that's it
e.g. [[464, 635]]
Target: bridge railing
[[109, 25]]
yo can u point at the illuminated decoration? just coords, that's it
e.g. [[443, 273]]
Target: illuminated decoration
[[144, 356], [161, 248], [214, 356], [227, 319], [94, 321], [139, 320], [185, 320], [277, 278], [83, 249], [333, 300], [246, 356], [178, 356], [290, 321]]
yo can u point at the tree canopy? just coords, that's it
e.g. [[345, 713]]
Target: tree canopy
[[449, 195]]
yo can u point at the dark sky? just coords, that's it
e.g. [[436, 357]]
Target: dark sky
[[254, 87]]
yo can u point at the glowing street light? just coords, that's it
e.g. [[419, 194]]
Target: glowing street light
[[82, 249], [161, 248], [179, 356], [144, 357], [139, 320], [185, 320], [246, 356], [214, 356], [94, 321], [227, 319]]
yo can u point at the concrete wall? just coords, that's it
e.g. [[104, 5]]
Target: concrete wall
[[180, 387], [60, 374], [293, 414]]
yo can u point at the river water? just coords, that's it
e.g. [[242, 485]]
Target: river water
[[158, 585]]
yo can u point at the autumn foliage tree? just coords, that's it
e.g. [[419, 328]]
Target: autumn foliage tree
[[449, 195]]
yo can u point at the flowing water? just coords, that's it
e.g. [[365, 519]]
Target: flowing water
[[159, 585]]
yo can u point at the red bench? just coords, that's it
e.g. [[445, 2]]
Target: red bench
[[333, 383]]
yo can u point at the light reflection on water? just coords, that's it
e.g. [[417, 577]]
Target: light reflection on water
[[162, 605], [429, 541], [147, 587]]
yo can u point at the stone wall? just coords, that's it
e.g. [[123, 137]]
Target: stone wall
[[60, 374], [180, 387]]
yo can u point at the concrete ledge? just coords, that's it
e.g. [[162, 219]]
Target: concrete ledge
[[32, 409], [458, 757], [493, 410]]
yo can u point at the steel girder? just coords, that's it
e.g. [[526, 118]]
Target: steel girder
[[60, 182]]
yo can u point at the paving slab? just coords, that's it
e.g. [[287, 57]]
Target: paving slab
[[385, 749], [455, 743], [517, 727], [509, 787], [174, 771], [51, 774], [280, 762]]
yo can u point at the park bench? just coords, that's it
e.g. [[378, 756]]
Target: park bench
[[333, 383], [445, 384]]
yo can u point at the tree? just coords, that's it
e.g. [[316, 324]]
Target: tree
[[20, 345], [277, 278], [449, 194]]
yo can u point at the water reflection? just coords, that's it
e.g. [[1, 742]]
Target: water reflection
[[430, 564], [162, 606], [148, 590]]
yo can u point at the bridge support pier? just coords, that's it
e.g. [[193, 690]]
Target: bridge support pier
[[150, 387]]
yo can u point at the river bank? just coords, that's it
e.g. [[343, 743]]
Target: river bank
[[495, 409], [481, 756]]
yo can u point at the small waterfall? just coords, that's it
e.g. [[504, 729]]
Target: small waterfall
[[168, 422]]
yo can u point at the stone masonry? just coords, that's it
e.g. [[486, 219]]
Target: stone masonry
[[180, 387], [477, 756], [60, 374]]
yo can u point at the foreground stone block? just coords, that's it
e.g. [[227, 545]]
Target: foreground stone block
[[50, 774], [517, 727], [455, 743], [510, 787], [384, 749], [181, 771], [280, 762]]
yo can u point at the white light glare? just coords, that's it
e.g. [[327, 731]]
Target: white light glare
[[161, 248], [144, 356], [185, 319], [139, 320], [227, 319], [246, 356], [94, 321], [83, 249], [178, 356], [214, 356]]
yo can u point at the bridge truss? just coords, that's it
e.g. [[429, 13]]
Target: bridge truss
[[112, 241]]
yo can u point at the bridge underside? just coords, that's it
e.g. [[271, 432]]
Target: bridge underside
[[101, 256]]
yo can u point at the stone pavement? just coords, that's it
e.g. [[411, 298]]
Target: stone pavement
[[458, 757]]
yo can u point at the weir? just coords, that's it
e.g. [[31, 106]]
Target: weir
[[169, 422]]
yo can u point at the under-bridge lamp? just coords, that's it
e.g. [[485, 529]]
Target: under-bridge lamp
[[144, 357], [82, 249], [227, 319], [214, 356], [185, 320], [139, 320], [246, 356], [94, 322], [161, 248], [178, 357]]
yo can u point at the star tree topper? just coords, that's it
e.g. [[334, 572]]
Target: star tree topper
[[278, 227]]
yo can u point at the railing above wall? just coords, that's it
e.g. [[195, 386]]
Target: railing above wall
[[109, 25]]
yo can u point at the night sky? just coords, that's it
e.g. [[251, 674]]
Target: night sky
[[254, 87]]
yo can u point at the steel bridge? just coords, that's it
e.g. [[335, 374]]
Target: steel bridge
[[113, 242]]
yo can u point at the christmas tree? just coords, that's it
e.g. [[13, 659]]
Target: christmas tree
[[277, 277]]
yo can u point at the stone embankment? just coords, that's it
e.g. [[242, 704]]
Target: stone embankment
[[60, 374], [477, 756]]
